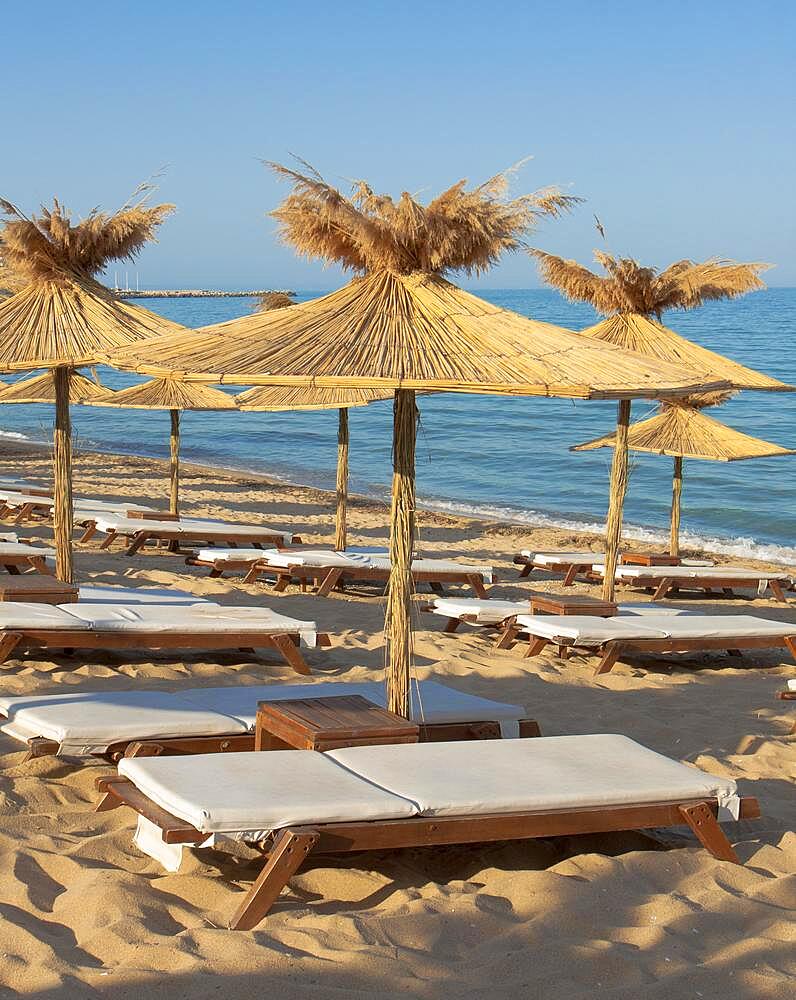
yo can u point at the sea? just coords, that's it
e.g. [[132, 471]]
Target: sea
[[503, 458]]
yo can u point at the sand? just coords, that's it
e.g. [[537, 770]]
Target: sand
[[84, 914]]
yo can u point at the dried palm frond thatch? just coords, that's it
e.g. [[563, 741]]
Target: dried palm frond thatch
[[273, 300], [41, 389], [306, 397], [628, 287], [459, 230]]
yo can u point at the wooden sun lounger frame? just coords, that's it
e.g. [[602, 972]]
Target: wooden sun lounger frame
[[702, 580], [610, 652], [284, 643], [290, 847], [31, 510], [12, 562], [570, 570], [326, 578], [434, 732], [173, 538]]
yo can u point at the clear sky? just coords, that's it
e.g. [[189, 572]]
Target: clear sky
[[675, 120]]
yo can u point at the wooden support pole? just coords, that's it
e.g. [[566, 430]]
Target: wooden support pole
[[342, 479], [174, 467], [62, 477], [613, 528], [398, 624], [677, 494]]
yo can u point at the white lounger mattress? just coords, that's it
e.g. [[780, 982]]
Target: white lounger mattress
[[189, 526], [489, 612], [89, 722], [692, 572], [584, 630], [104, 594], [244, 795], [22, 549], [352, 559], [220, 554], [562, 558]]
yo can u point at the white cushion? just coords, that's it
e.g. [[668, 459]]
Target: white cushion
[[549, 773], [250, 793], [9, 536], [589, 630], [22, 549], [720, 626], [202, 618], [100, 594], [705, 573], [561, 558], [652, 608], [366, 559], [84, 723], [238, 555], [792, 684], [30, 615], [485, 612]]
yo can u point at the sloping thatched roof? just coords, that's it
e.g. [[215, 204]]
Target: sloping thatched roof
[[167, 394], [63, 315], [41, 389], [683, 431], [415, 331], [306, 397], [273, 300], [635, 332]]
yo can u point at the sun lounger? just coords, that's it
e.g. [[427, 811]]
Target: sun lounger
[[574, 564], [208, 720], [665, 579], [331, 569], [459, 611], [92, 593], [27, 506], [150, 626], [16, 556], [610, 638], [220, 560], [405, 795], [185, 531]]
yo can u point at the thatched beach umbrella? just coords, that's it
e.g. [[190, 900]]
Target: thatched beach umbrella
[[63, 318], [41, 389], [273, 300], [633, 298], [681, 430], [168, 394], [276, 398], [403, 327]]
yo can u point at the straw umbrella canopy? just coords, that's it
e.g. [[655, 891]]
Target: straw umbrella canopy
[[633, 299], [273, 300], [279, 398], [401, 326], [168, 394], [681, 430], [63, 318], [41, 389]]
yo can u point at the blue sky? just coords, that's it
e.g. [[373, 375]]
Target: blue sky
[[675, 121]]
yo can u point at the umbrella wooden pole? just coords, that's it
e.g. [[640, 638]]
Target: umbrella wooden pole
[[62, 478], [342, 479], [677, 495], [402, 527], [613, 529], [174, 465]]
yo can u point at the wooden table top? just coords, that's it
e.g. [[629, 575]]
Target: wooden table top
[[575, 604], [334, 721], [649, 559], [37, 588]]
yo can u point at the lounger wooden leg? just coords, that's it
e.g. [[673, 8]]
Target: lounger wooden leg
[[526, 570], [477, 583], [139, 541], [611, 654], [569, 576], [734, 652], [662, 589], [291, 653], [287, 856], [329, 582], [39, 563], [437, 587], [727, 591], [507, 637], [707, 830], [790, 642], [109, 539], [253, 575], [11, 569], [452, 624], [89, 533], [776, 589], [8, 643], [535, 647]]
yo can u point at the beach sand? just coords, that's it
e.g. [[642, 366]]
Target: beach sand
[[84, 914]]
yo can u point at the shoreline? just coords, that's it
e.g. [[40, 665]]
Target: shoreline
[[571, 532]]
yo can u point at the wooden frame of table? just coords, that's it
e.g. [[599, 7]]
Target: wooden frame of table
[[38, 590]]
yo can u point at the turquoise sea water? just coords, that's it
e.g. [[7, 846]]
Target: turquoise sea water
[[502, 457]]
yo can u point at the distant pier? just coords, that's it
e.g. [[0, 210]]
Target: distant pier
[[193, 293]]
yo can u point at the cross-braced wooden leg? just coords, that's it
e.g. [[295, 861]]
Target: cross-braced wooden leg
[[289, 851], [663, 589], [108, 540], [91, 530], [329, 582], [535, 647], [569, 576], [776, 588], [507, 637], [254, 574], [790, 642], [526, 570], [611, 654], [139, 541], [452, 624], [477, 583], [291, 653], [8, 643], [707, 830]]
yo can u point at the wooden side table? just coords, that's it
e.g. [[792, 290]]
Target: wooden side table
[[577, 604], [649, 559], [37, 589], [328, 724]]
